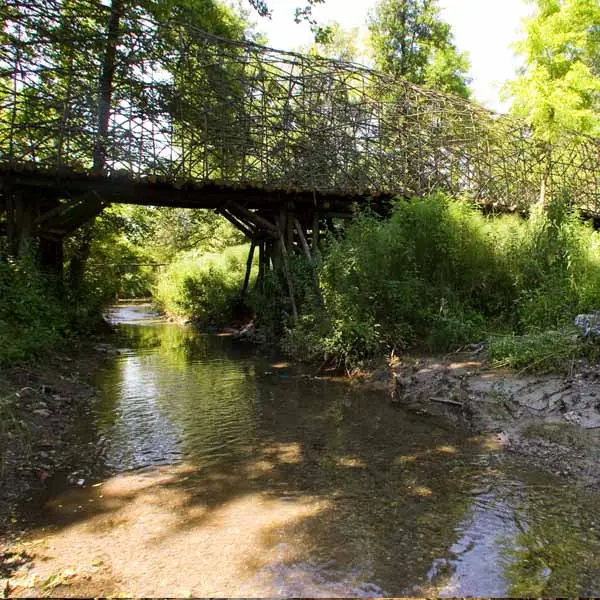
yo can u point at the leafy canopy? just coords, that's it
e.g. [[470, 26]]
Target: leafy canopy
[[558, 87], [410, 40]]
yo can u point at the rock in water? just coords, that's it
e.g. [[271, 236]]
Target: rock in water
[[589, 324]]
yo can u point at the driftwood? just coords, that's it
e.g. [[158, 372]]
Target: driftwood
[[445, 401]]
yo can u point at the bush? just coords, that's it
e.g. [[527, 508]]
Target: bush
[[204, 287], [428, 277], [32, 318], [438, 275]]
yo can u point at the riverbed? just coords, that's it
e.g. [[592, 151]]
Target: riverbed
[[220, 472]]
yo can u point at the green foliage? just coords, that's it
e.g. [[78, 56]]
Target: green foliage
[[543, 351], [204, 287], [339, 44], [426, 275], [103, 264], [410, 40], [558, 88], [162, 233], [438, 275], [32, 319]]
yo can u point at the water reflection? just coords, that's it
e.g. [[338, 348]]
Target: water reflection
[[405, 505]]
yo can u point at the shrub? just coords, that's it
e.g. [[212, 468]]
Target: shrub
[[205, 287], [438, 275], [32, 318]]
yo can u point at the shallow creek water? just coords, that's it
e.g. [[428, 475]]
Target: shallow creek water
[[220, 473]]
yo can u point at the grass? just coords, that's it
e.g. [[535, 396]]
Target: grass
[[535, 352]]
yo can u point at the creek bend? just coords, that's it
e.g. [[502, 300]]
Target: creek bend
[[220, 473]]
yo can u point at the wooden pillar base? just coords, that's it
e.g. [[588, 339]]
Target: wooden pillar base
[[51, 256]]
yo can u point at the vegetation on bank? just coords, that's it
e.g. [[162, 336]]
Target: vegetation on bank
[[32, 318], [436, 276], [204, 286], [439, 275]]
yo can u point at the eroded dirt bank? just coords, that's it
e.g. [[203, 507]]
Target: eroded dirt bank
[[552, 420]]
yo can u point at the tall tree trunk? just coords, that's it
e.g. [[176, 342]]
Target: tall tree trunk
[[109, 66]]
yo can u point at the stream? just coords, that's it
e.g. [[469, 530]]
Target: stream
[[218, 472]]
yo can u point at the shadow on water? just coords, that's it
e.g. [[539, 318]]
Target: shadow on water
[[313, 487]]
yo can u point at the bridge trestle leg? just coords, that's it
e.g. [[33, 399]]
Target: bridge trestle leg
[[21, 214], [51, 253], [249, 267]]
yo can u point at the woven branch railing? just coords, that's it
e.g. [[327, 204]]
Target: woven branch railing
[[191, 108]]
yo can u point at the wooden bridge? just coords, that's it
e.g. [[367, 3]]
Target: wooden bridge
[[106, 104]]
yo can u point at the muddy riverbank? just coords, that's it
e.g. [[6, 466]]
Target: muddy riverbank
[[552, 420], [43, 404]]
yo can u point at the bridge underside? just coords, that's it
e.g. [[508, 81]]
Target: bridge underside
[[50, 208]]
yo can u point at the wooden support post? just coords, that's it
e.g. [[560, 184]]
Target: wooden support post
[[25, 234], [276, 252], [316, 226], [260, 222], [248, 268], [289, 226], [329, 222], [286, 273], [282, 222], [236, 222], [52, 256], [260, 279], [310, 260], [303, 242]]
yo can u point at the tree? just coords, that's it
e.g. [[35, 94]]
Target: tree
[[410, 40], [558, 87], [338, 43]]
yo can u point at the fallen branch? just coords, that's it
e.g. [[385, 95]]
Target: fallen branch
[[445, 401]]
